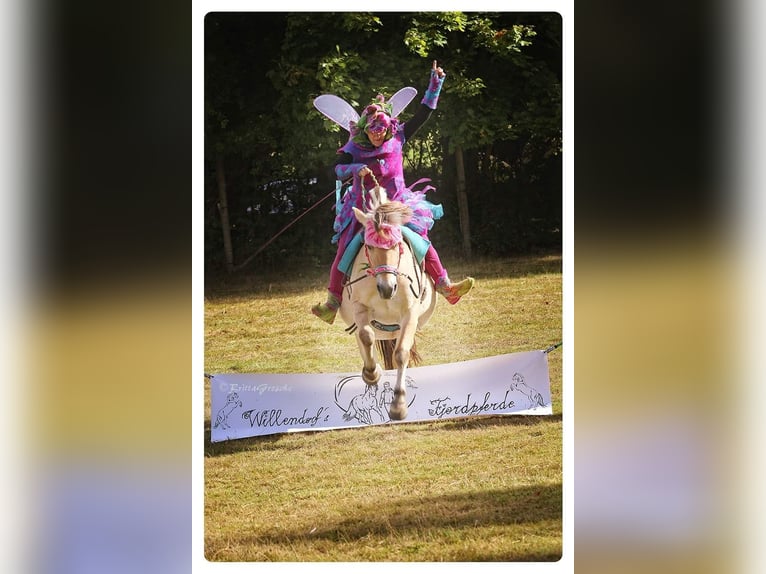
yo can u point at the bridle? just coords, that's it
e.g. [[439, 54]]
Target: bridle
[[371, 271], [417, 286], [380, 269]]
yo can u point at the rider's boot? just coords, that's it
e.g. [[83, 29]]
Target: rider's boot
[[327, 310], [453, 291]]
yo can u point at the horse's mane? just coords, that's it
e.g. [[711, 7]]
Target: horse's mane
[[391, 212]]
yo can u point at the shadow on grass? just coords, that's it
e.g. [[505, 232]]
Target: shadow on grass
[[432, 518], [494, 268], [307, 279], [499, 421], [275, 443]]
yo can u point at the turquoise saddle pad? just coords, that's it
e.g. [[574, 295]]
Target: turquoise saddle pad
[[419, 246]]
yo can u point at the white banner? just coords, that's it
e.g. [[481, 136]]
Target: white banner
[[246, 405]]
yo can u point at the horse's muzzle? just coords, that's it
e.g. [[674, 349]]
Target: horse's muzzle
[[387, 289]]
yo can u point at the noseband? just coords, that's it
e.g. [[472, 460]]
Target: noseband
[[380, 269]]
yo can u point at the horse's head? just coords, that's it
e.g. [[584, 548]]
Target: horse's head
[[383, 241]]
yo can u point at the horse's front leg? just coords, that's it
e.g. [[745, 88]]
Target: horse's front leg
[[365, 338], [398, 409]]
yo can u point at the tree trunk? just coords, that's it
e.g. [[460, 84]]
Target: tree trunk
[[462, 203], [223, 210]]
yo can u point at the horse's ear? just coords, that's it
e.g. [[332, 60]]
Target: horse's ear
[[361, 217]]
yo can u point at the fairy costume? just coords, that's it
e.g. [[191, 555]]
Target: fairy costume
[[367, 147], [385, 162]]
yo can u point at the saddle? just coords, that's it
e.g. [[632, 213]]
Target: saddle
[[418, 244]]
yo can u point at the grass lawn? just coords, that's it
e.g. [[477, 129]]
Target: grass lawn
[[474, 489]]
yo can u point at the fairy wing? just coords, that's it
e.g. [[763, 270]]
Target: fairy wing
[[337, 109], [401, 100]]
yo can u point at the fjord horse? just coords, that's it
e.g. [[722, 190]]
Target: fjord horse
[[388, 297]]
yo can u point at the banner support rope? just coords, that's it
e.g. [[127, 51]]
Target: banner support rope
[[553, 347]]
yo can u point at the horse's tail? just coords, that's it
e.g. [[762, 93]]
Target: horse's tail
[[386, 350], [415, 358]]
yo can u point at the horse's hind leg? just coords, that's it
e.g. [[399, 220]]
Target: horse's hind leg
[[398, 409], [365, 338]]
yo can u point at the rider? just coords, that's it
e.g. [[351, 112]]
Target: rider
[[375, 147]]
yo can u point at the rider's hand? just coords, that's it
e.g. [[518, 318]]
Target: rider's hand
[[365, 171], [437, 70]]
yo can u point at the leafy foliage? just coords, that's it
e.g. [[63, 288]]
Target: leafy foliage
[[501, 103]]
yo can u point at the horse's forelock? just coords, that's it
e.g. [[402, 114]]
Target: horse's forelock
[[383, 224], [383, 235]]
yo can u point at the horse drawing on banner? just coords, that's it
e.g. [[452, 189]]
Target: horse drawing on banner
[[388, 296], [365, 407], [232, 402], [534, 397]]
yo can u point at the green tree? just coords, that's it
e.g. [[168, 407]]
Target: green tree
[[499, 118]]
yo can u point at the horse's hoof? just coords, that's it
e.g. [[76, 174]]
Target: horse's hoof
[[372, 377], [398, 409], [397, 412]]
